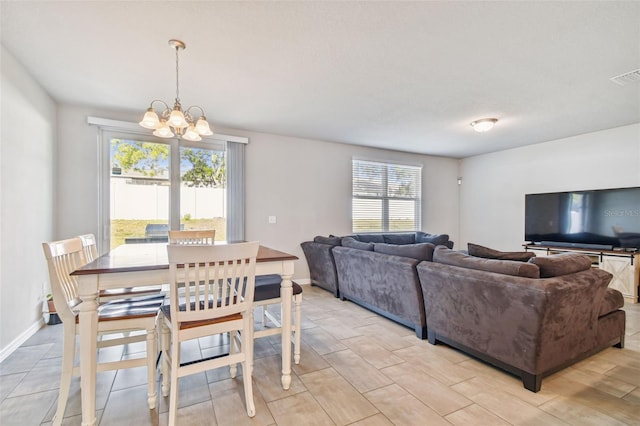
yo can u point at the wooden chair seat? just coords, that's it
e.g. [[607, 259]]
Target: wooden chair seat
[[127, 292], [166, 311], [128, 310]]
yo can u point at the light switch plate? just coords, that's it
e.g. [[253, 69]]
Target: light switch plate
[[272, 219]]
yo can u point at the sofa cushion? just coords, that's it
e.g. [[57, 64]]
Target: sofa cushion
[[353, 243], [442, 254], [435, 239], [399, 238], [422, 251], [369, 238], [611, 301], [488, 253], [331, 240], [559, 264]]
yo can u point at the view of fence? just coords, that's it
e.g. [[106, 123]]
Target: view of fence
[[151, 202]]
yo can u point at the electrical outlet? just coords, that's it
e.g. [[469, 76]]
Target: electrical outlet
[[272, 219]]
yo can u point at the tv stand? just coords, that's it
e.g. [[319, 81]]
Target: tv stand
[[623, 265], [577, 245]]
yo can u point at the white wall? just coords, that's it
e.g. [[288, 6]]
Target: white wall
[[306, 184], [27, 194], [494, 185], [77, 178]]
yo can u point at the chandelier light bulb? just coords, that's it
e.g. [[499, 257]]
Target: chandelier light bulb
[[191, 134], [163, 130], [177, 120], [202, 126], [150, 120]]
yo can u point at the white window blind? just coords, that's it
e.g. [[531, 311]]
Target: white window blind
[[386, 197]]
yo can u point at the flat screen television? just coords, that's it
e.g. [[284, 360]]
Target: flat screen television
[[605, 219]]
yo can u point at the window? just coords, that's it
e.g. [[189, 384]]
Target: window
[[150, 185], [139, 191], [386, 197]]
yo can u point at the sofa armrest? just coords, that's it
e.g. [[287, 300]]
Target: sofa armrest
[[531, 324], [322, 268]]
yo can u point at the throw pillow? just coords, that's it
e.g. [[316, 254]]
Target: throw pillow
[[481, 251], [422, 251], [353, 243], [435, 239], [334, 241], [399, 238], [561, 264], [441, 254]]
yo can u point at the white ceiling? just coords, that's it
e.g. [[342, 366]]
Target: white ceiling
[[407, 76]]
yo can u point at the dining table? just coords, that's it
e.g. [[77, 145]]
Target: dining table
[[139, 265]]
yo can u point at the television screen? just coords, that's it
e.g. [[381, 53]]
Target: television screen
[[605, 218]]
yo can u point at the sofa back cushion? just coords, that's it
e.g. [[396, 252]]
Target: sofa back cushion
[[422, 251], [435, 239], [368, 238], [488, 253], [331, 240], [353, 243], [442, 254], [399, 238], [559, 264]]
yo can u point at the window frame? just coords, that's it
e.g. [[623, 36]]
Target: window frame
[[386, 198], [109, 129]]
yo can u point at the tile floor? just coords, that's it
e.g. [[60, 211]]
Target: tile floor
[[357, 368]]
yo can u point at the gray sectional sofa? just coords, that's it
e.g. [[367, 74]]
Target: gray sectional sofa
[[529, 316], [371, 269]]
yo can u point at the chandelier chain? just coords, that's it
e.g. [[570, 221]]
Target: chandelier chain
[[177, 79]]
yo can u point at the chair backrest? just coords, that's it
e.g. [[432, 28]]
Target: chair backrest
[[89, 246], [209, 281], [64, 257], [192, 237]]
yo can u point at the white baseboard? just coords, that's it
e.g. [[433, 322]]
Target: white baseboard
[[303, 281], [23, 337]]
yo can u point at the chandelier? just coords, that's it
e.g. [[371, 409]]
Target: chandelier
[[167, 123]]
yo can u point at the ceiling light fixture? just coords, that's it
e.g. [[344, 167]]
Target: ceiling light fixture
[[172, 122], [484, 125]]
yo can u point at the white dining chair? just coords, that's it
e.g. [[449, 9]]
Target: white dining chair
[[267, 292], [224, 304], [90, 248], [117, 317], [192, 237]]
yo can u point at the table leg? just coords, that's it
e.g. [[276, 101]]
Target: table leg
[[88, 327], [286, 294]]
